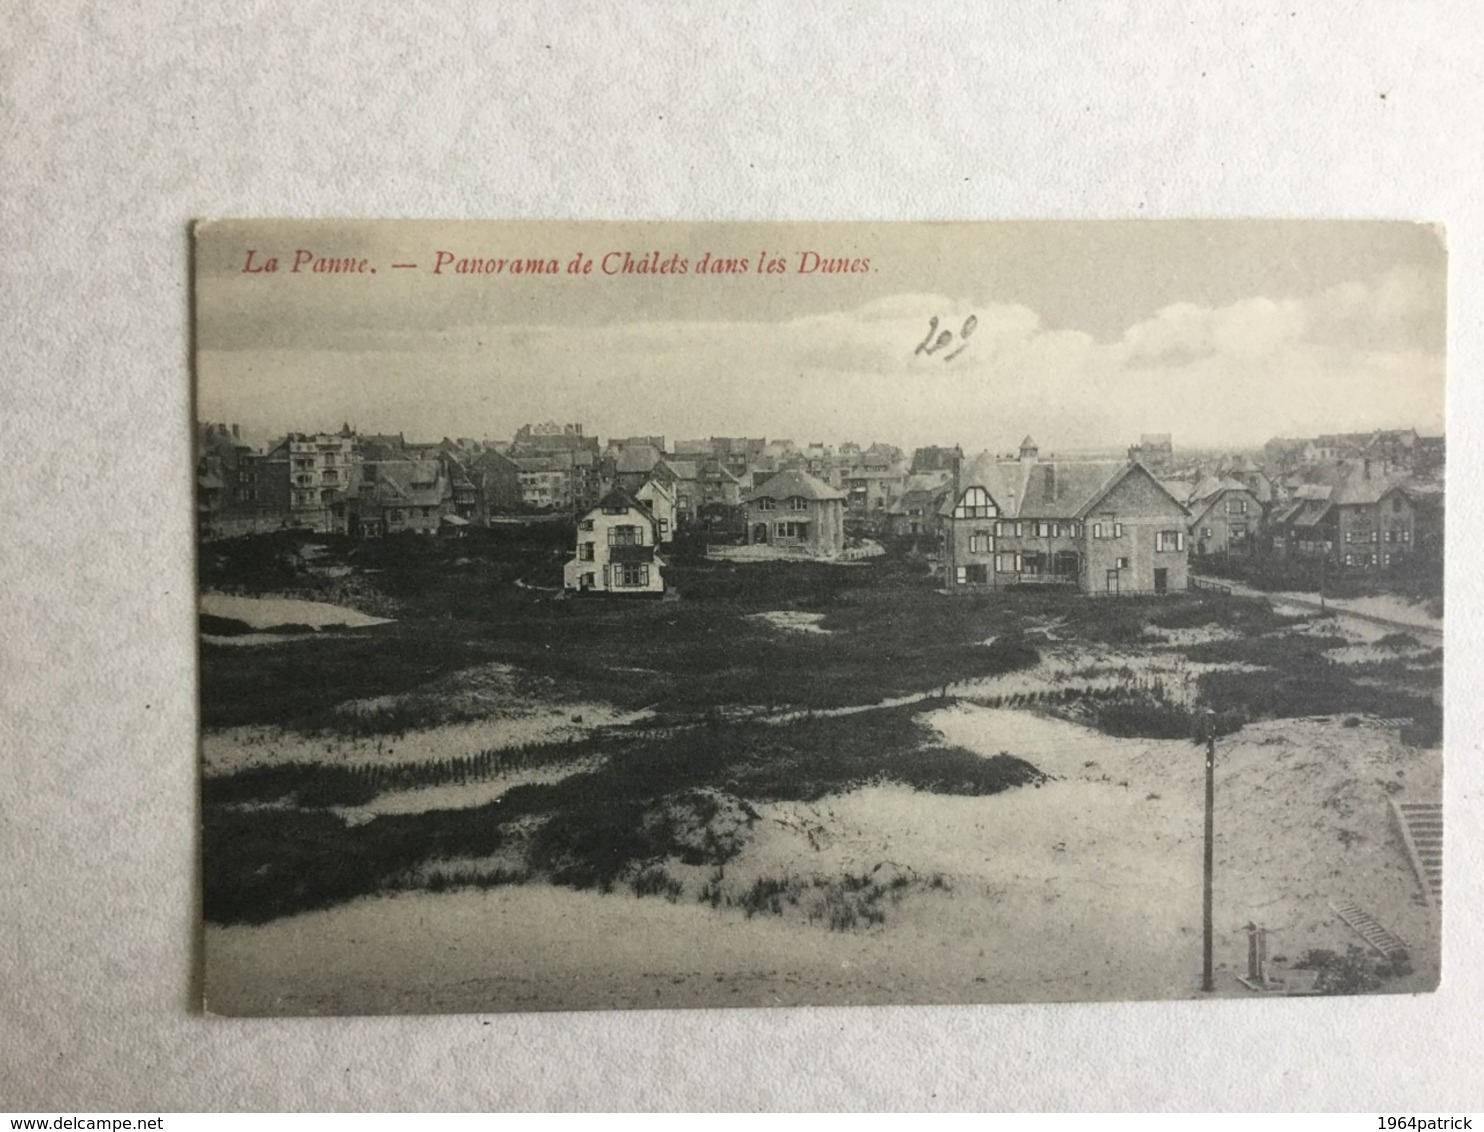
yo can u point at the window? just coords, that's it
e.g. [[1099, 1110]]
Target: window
[[1349, 560], [664, 526], [1169, 540], [1007, 563], [1396, 504], [766, 504], [1406, 535], [797, 503], [633, 574], [975, 504], [1002, 528], [1097, 530], [625, 536], [1239, 531], [1030, 563], [1205, 532], [1045, 529], [961, 576], [586, 525], [979, 542], [1117, 530], [587, 552], [1120, 563], [977, 574], [1236, 507]]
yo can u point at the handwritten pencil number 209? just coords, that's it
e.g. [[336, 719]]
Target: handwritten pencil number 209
[[937, 340]]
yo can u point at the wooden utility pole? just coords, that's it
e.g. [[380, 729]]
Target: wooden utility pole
[[1208, 978]]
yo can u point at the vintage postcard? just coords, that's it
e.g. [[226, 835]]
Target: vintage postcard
[[615, 615]]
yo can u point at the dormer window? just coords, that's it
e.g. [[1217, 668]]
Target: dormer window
[[797, 503], [767, 504]]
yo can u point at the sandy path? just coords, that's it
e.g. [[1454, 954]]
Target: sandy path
[[1387, 611], [268, 612]]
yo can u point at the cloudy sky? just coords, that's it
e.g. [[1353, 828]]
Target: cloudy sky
[[1085, 334]]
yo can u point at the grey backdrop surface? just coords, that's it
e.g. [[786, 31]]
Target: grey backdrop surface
[[123, 123]]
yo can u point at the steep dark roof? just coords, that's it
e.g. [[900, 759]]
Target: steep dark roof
[[1358, 488], [1063, 489], [636, 459], [1311, 511], [1050, 489], [618, 499]]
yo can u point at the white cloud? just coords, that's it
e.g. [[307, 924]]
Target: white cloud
[[1343, 358]]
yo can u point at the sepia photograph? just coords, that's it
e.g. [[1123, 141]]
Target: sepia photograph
[[603, 615]]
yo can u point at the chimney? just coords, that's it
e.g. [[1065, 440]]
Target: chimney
[[1366, 467], [1050, 481], [1135, 453], [236, 434]]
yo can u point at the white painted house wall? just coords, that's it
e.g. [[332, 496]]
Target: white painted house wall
[[600, 533]]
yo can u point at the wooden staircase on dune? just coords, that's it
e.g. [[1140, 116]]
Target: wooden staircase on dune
[[1421, 826]]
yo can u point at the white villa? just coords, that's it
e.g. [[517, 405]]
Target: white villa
[[617, 550]]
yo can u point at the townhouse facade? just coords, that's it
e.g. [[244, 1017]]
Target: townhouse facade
[[545, 482], [1361, 522], [874, 483], [323, 471]]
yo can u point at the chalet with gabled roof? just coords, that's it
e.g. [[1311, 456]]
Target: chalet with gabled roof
[[1101, 526], [617, 550], [794, 511], [1225, 516], [394, 496]]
